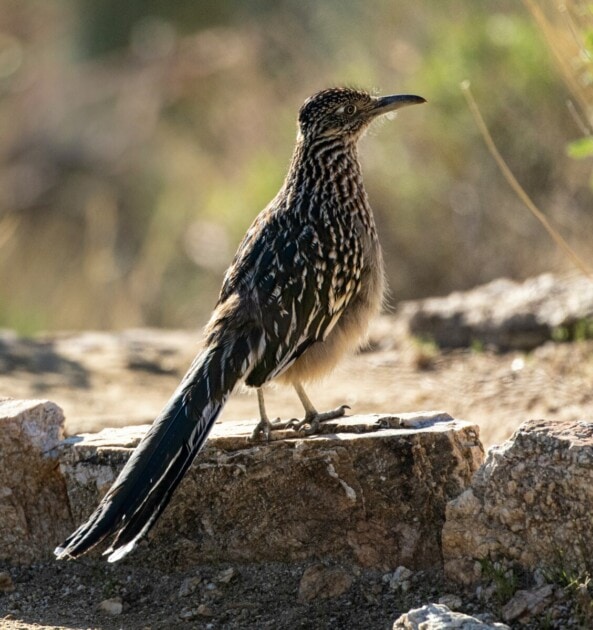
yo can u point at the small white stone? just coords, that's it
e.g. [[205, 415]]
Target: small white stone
[[517, 364]]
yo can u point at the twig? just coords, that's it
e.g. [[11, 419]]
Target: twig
[[516, 186]]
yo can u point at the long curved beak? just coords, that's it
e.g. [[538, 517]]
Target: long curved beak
[[384, 104]]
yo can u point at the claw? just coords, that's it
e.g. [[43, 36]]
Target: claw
[[265, 427], [314, 420]]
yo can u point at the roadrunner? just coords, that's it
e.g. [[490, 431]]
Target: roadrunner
[[300, 292]]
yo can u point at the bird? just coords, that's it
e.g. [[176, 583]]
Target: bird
[[300, 292]]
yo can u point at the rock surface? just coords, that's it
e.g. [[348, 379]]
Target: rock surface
[[530, 504], [505, 314], [371, 490], [439, 617], [34, 509], [319, 581], [525, 604]]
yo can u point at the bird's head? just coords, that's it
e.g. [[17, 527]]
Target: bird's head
[[345, 112]]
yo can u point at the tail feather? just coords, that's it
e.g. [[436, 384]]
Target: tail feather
[[145, 485]]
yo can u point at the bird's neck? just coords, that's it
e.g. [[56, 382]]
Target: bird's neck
[[328, 153], [326, 171]]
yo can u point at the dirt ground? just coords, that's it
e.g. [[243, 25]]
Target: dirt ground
[[264, 596], [114, 379]]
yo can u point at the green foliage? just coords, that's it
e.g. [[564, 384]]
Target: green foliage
[[583, 329], [477, 346], [581, 148], [426, 352], [503, 578], [580, 330], [560, 334], [588, 41], [580, 70], [26, 321], [578, 585]]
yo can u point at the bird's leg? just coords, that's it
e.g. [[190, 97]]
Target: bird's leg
[[265, 426], [312, 417]]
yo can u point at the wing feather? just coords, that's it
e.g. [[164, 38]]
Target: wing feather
[[294, 285]]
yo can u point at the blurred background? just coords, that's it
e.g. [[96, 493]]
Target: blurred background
[[139, 139]]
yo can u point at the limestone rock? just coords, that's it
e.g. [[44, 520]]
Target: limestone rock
[[439, 617], [504, 314], [370, 490], [34, 511], [530, 503]]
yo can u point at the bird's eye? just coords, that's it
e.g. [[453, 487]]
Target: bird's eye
[[350, 109]]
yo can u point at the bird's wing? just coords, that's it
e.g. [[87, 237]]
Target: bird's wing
[[288, 272]]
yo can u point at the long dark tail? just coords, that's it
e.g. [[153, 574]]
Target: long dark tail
[[145, 485]]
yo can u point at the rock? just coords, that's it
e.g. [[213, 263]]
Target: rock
[[451, 601], [113, 606], [368, 491], [525, 604], [188, 586], [439, 617], [188, 614], [6, 583], [34, 511], [530, 504], [505, 314], [225, 576], [400, 579], [204, 611], [321, 582]]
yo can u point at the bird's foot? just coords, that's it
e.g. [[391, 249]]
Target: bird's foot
[[265, 427], [315, 419]]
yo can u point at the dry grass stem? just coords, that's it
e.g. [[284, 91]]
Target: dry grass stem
[[516, 186]]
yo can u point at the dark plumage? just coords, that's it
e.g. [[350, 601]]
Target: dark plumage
[[300, 292]]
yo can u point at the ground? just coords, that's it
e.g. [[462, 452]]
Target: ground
[[118, 379], [265, 596]]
